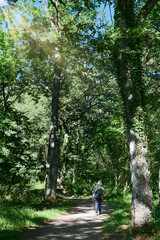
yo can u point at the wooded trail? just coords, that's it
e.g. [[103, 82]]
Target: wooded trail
[[80, 223]]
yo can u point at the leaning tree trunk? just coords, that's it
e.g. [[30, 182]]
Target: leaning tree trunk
[[51, 184], [129, 74]]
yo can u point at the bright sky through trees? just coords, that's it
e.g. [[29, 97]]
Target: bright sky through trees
[[109, 10], [3, 3]]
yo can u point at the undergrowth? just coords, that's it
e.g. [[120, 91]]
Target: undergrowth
[[117, 226], [24, 208]]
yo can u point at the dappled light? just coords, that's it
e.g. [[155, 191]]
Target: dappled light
[[80, 223], [79, 108]]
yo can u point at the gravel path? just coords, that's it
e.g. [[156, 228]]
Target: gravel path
[[80, 223]]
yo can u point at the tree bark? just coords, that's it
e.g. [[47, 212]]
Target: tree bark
[[142, 199], [51, 185], [150, 4], [129, 74]]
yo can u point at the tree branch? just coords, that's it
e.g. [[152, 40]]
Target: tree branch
[[57, 13], [150, 4], [48, 13], [110, 12]]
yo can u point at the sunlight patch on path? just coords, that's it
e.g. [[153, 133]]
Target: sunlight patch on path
[[80, 223]]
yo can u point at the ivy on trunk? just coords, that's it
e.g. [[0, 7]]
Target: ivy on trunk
[[130, 78]]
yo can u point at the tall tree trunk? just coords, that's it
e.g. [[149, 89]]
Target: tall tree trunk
[[51, 185], [129, 73], [48, 157]]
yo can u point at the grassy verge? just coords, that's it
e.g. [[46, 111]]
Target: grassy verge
[[117, 226], [27, 208]]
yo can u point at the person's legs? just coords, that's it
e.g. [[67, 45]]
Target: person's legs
[[100, 205], [96, 205]]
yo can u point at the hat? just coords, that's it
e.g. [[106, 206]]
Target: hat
[[99, 183]]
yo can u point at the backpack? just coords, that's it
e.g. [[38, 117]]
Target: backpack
[[98, 191]]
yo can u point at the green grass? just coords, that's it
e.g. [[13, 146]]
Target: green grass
[[117, 226], [24, 209], [36, 185], [118, 222]]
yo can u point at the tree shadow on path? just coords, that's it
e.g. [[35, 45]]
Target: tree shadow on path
[[80, 223]]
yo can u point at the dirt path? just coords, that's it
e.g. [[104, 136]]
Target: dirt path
[[80, 223]]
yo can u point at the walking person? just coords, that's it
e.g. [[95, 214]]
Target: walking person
[[98, 194]]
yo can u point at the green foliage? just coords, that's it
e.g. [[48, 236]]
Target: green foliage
[[13, 159], [27, 127], [91, 127], [90, 152], [118, 223], [27, 208], [38, 113], [78, 188], [121, 209]]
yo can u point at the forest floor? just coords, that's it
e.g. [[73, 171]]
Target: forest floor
[[80, 223]]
